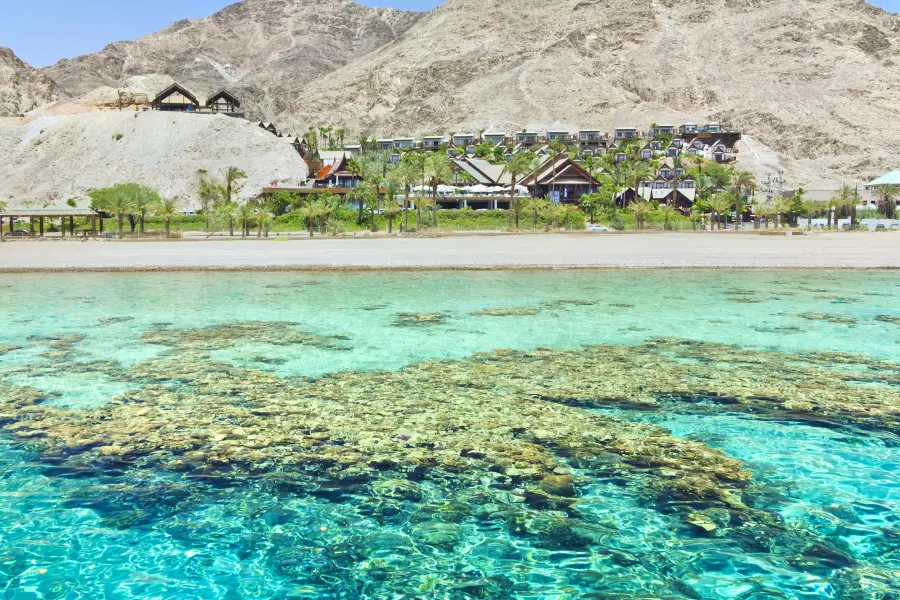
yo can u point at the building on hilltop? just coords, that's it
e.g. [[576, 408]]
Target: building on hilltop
[[176, 98], [223, 102]]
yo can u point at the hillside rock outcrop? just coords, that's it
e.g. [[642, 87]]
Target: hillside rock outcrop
[[23, 88]]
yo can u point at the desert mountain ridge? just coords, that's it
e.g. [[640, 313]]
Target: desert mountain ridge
[[23, 88], [813, 83]]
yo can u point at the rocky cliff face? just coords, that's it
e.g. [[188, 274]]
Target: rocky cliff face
[[21, 87], [252, 47], [814, 83]]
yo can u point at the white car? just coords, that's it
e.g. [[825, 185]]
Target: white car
[[595, 227]]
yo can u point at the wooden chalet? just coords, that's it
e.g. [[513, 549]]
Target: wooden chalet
[[335, 171], [562, 178], [176, 98], [223, 102]]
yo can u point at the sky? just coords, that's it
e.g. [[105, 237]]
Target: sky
[[41, 32]]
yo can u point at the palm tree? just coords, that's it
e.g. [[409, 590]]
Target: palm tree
[[535, 206], [145, 198], [166, 208], [438, 171], [263, 222], [120, 202], [763, 210], [706, 185], [244, 212], [567, 210], [886, 196], [425, 202], [741, 182], [640, 209], [590, 202], [316, 210], [668, 213], [697, 216], [406, 175], [519, 165], [391, 208], [232, 176], [640, 172], [780, 206], [719, 204]]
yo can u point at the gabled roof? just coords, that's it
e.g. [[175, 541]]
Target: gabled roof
[[226, 95], [559, 168], [658, 194], [176, 88], [473, 171]]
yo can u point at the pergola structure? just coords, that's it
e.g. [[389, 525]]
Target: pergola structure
[[66, 216]]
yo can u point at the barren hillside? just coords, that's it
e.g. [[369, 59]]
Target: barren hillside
[[815, 81], [22, 87], [252, 47], [57, 157]]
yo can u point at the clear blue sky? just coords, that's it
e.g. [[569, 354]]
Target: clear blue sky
[[41, 32]]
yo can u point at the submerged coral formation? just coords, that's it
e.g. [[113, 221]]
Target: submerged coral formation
[[411, 319], [226, 335], [830, 318], [512, 432], [506, 312]]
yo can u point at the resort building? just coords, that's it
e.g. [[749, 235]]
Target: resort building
[[527, 138], [404, 143], [560, 177], [464, 139], [494, 138], [384, 144], [176, 98], [625, 133], [222, 102], [433, 142], [662, 130], [559, 136]]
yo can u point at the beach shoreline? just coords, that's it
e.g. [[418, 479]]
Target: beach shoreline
[[837, 250]]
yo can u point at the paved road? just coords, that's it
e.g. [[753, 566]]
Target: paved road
[[833, 250]]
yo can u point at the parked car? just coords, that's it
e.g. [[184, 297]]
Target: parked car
[[189, 213], [595, 227], [17, 233]]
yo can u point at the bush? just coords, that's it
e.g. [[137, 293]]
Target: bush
[[117, 136], [617, 222]]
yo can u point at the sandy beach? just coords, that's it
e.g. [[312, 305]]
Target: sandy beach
[[680, 250]]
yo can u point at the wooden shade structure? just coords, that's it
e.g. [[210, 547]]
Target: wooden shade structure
[[38, 214]]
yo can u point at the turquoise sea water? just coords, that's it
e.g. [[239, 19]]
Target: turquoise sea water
[[156, 534]]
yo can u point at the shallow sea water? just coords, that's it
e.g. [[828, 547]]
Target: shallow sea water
[[155, 534]]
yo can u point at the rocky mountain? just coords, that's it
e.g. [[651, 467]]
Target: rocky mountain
[[815, 81], [252, 48], [22, 87]]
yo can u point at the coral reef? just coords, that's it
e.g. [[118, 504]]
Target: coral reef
[[508, 427], [227, 335], [411, 319], [830, 318], [506, 312]]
